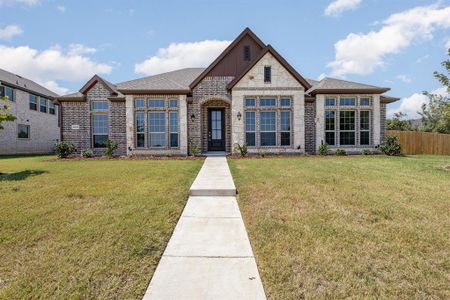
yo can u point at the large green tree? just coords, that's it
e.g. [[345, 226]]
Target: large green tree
[[436, 113], [398, 122], [5, 116]]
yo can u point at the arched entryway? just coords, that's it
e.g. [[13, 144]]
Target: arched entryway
[[216, 125]]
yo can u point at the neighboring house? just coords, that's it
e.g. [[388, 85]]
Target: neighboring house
[[36, 129], [249, 94]]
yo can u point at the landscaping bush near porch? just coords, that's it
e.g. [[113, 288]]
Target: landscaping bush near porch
[[79, 229], [361, 227]]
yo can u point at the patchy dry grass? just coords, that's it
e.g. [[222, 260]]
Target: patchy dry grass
[[86, 229], [348, 227]]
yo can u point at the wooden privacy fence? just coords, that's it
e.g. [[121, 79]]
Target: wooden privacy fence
[[417, 142]]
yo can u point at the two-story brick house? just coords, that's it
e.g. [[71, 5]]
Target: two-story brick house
[[36, 128], [249, 95]]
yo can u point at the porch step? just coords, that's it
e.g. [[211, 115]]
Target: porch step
[[214, 179]]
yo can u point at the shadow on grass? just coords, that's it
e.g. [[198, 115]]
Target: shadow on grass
[[20, 175]]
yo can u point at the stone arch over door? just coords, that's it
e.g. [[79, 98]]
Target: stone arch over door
[[215, 102]]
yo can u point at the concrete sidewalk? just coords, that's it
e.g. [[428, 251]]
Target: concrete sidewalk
[[209, 255]]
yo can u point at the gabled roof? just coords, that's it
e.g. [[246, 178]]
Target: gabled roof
[[25, 84], [170, 82], [244, 33], [81, 95], [335, 86], [281, 60]]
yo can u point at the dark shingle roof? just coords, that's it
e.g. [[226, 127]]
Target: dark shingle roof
[[28, 85], [175, 80], [333, 84]]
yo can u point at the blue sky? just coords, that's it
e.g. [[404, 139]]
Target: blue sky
[[61, 44]]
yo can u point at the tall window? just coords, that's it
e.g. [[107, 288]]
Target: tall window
[[99, 130], [247, 55], [267, 120], [364, 127], [140, 129], [347, 127], [157, 129], [51, 107], [33, 102], [6, 91], [250, 128], [23, 131], [267, 74], [174, 128], [43, 105], [330, 127], [285, 120]]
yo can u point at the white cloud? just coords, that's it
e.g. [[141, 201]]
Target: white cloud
[[404, 78], [362, 53], [61, 8], [182, 55], [412, 104], [24, 2], [55, 87], [337, 7], [9, 32], [51, 65], [79, 49]]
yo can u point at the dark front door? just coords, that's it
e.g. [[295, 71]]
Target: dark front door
[[216, 129]]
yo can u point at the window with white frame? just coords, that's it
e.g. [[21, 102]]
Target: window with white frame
[[6, 91], [51, 107], [364, 127], [23, 131], [33, 102], [347, 127], [250, 128], [43, 105], [330, 127], [157, 129]]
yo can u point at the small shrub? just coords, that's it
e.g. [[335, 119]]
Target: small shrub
[[64, 149], [110, 148], [366, 152], [194, 149], [341, 152], [391, 146], [86, 153], [262, 153], [243, 149], [323, 149]]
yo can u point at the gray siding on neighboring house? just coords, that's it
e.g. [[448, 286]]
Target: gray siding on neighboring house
[[44, 130]]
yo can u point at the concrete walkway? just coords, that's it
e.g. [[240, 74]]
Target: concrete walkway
[[209, 255]]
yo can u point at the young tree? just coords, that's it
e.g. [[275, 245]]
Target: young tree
[[436, 114], [5, 116], [398, 123]]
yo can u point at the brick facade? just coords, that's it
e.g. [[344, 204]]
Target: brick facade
[[73, 114], [216, 104], [310, 127]]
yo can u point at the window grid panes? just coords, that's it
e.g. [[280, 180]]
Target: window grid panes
[[330, 127], [139, 103], [33, 102], [285, 102], [267, 122], [347, 101], [99, 129], [347, 127], [140, 129], [157, 129], [267, 102], [51, 107], [285, 122], [330, 101], [8, 92], [43, 105], [173, 118], [23, 131], [173, 103], [250, 102], [250, 128], [156, 103], [364, 127], [267, 74], [365, 101]]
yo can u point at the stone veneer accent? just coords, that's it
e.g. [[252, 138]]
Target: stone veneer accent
[[282, 84], [310, 127], [210, 88], [130, 123], [382, 122]]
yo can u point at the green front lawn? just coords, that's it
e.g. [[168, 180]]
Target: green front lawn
[[86, 229], [348, 227]]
